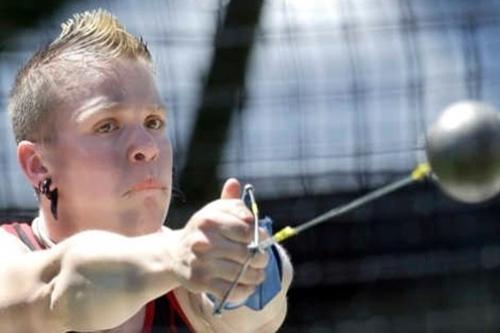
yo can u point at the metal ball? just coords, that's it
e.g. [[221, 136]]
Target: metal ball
[[463, 150]]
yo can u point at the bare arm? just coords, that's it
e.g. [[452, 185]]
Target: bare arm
[[24, 287], [93, 280], [96, 280]]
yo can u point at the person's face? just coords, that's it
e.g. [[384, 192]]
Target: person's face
[[111, 160]]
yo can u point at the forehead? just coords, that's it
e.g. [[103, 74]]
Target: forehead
[[121, 83]]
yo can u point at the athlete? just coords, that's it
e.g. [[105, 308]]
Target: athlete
[[91, 140]]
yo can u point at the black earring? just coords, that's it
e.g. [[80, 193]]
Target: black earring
[[44, 188]]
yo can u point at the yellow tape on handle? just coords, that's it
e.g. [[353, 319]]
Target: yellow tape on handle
[[421, 171], [284, 233]]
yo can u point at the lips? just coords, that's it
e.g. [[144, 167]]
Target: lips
[[148, 184]]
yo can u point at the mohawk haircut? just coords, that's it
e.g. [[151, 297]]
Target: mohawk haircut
[[88, 40], [100, 32]]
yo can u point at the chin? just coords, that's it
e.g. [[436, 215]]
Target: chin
[[141, 227], [144, 213], [153, 199], [137, 222]]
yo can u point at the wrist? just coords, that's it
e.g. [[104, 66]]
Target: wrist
[[164, 258]]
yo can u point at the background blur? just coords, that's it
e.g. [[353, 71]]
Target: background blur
[[315, 102]]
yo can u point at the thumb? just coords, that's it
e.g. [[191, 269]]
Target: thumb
[[231, 189]]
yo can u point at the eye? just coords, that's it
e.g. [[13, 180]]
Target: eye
[[154, 123], [106, 127]]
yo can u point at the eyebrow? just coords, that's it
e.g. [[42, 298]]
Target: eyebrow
[[159, 108], [98, 106]]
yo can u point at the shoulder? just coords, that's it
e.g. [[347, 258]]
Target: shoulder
[[30, 298], [10, 244]]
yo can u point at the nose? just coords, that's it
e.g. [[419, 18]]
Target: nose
[[143, 147]]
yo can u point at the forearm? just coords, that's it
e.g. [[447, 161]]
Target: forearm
[[91, 281], [105, 278], [26, 285]]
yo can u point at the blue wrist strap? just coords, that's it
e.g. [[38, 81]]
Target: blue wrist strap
[[271, 286]]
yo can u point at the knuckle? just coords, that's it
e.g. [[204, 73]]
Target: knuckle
[[207, 223], [246, 236], [241, 210], [245, 213], [247, 231], [200, 245], [240, 235]]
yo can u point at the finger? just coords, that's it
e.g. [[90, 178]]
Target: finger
[[237, 208], [236, 252], [233, 228], [228, 270], [240, 293], [231, 189], [224, 248]]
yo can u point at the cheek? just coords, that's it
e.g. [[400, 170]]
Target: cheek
[[90, 170]]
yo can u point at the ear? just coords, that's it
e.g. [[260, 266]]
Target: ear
[[31, 162]]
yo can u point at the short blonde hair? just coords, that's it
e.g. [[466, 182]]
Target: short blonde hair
[[95, 36]]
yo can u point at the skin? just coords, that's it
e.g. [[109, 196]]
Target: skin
[[109, 140], [111, 163]]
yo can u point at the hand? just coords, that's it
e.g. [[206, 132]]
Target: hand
[[214, 245]]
